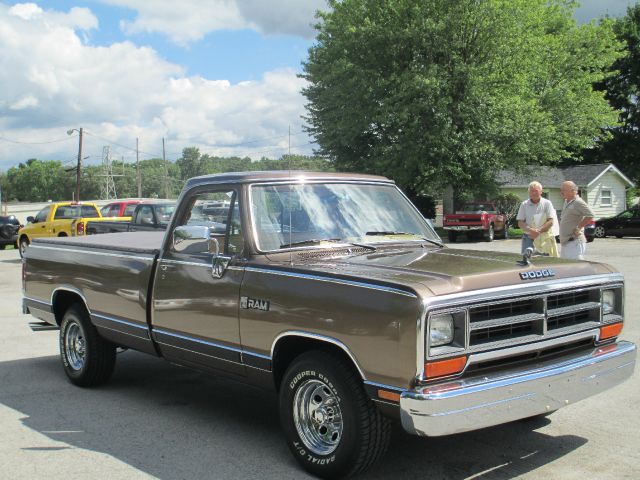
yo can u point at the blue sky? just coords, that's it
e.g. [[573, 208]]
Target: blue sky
[[217, 74]]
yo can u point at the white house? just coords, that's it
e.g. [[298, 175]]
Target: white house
[[602, 186]]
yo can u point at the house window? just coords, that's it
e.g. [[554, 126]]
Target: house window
[[605, 197]]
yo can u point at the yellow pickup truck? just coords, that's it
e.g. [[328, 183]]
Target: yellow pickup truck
[[60, 219]]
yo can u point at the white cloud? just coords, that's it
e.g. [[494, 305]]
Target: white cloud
[[190, 20], [52, 81]]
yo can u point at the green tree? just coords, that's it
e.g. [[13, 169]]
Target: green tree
[[39, 181], [438, 92], [191, 164], [623, 93]]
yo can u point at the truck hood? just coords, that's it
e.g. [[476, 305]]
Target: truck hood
[[429, 271]]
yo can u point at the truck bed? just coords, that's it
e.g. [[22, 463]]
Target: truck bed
[[134, 242]]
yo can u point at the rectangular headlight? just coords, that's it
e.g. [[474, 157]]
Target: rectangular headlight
[[608, 302], [441, 330]]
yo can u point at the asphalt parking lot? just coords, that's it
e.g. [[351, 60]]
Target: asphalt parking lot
[[156, 420]]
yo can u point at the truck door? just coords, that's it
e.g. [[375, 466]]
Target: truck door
[[195, 310]]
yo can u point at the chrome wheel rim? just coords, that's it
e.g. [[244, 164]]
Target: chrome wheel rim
[[23, 247], [599, 232], [75, 346], [317, 417]]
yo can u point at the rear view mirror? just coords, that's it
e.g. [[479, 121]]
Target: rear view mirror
[[192, 239], [30, 219]]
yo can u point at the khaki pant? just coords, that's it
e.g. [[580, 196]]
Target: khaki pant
[[573, 250]]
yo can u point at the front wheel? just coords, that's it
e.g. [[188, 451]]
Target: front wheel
[[600, 232], [24, 243], [87, 358], [332, 427]]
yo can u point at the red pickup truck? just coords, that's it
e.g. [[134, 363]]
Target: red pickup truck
[[481, 219]]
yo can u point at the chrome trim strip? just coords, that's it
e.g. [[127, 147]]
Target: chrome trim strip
[[68, 288], [195, 340], [31, 299], [354, 283], [124, 322], [200, 353], [93, 252], [315, 336], [530, 347], [182, 262], [259, 355]]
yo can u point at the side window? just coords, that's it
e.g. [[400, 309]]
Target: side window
[[61, 212], [605, 197], [114, 211], [42, 214], [145, 215], [129, 209], [104, 211], [220, 211]]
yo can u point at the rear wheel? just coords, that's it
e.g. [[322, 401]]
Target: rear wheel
[[331, 425], [489, 234], [452, 236], [87, 358], [24, 243], [600, 232]]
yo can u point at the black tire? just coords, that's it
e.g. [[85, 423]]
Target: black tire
[[452, 236], [7, 231], [618, 236], [332, 384], [489, 234], [2, 246], [23, 244], [62, 234], [87, 359]]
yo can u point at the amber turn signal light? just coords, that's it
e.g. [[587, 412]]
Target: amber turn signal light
[[392, 396], [440, 368], [610, 331]]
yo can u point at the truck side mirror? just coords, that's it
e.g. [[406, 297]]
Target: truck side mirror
[[219, 263], [192, 239]]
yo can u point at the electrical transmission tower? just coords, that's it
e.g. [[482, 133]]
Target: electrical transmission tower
[[108, 189]]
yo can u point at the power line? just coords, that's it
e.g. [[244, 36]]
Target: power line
[[20, 142]]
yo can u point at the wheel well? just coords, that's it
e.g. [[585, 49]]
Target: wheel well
[[62, 234], [62, 300], [23, 238], [290, 347]]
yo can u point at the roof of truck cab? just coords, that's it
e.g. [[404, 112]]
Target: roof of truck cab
[[283, 175]]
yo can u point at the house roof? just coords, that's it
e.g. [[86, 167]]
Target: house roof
[[552, 177]]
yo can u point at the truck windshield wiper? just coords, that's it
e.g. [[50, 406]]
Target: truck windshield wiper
[[311, 241], [316, 241], [391, 232]]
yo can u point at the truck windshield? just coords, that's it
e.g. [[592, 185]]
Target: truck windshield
[[312, 214]]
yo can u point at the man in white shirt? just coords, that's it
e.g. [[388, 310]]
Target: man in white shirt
[[535, 215]]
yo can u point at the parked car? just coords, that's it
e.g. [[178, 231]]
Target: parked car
[[60, 219], [354, 319], [9, 226], [123, 208], [477, 218], [625, 224], [146, 216]]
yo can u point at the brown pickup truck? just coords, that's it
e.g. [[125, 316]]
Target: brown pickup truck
[[333, 290]]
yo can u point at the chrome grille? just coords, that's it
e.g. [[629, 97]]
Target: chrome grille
[[531, 318]]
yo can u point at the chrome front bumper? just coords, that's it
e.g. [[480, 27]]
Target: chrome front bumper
[[470, 404]]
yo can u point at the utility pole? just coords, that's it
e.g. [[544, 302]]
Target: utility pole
[[138, 177], [79, 167], [164, 161]]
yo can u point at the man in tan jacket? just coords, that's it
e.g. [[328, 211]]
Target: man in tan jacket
[[576, 214]]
